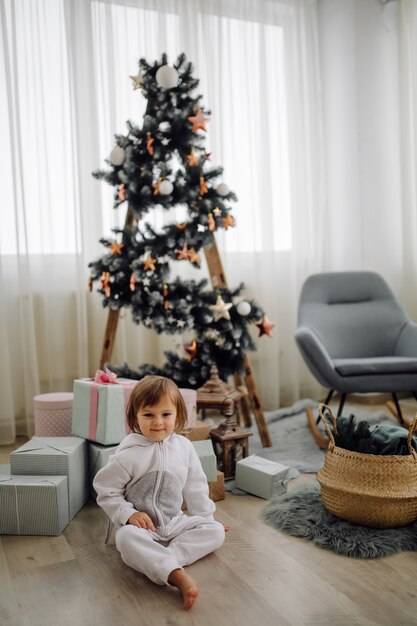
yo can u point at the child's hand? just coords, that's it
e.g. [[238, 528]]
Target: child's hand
[[141, 520]]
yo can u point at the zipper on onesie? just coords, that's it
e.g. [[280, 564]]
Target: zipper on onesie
[[161, 468]]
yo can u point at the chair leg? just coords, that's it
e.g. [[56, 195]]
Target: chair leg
[[327, 400], [395, 409], [341, 404]]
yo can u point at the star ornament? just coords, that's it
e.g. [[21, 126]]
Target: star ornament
[[116, 248], [191, 349], [137, 81], [198, 121], [265, 326], [221, 309], [149, 263]]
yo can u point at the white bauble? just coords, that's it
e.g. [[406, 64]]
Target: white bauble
[[243, 308], [117, 155], [222, 189], [164, 127], [165, 187], [167, 77]]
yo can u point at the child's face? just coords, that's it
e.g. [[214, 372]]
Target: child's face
[[157, 422]]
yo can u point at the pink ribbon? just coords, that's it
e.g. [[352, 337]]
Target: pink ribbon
[[105, 378]]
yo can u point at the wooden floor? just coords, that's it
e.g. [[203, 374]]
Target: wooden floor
[[260, 576]]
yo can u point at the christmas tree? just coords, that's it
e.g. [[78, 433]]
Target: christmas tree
[[164, 164]]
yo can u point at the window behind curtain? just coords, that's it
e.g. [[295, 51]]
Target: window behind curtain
[[242, 82]]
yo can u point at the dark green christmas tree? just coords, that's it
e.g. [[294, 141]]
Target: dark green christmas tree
[[164, 164]]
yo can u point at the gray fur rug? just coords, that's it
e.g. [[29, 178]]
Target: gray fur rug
[[292, 442], [301, 513]]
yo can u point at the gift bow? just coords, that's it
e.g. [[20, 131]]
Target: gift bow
[[106, 377]]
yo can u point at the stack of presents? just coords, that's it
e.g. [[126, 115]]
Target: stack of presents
[[50, 477]]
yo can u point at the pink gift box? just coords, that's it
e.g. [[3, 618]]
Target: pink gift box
[[53, 414], [190, 399], [99, 410]]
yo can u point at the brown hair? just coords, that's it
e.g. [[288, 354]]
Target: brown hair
[[150, 391]]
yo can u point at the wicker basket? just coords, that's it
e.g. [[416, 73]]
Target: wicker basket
[[367, 489]]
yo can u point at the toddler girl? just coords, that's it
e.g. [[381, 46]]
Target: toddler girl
[[143, 486]]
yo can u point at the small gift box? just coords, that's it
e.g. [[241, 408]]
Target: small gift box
[[98, 456], [53, 413], [207, 458], [55, 456], [99, 409], [261, 477], [33, 505], [190, 399]]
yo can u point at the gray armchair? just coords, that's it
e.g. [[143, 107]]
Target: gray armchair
[[355, 337]]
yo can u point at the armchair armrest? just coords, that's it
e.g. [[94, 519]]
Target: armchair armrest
[[316, 356], [407, 341]]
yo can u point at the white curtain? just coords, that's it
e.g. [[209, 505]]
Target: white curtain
[[65, 91]]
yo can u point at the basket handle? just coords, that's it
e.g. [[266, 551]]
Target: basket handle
[[322, 408], [411, 430]]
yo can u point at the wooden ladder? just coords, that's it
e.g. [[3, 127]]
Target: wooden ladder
[[218, 281]]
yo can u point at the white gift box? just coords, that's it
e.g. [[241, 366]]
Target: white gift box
[[56, 456], [33, 505], [261, 477], [98, 457], [207, 458]]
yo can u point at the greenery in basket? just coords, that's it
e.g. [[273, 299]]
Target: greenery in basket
[[360, 436]]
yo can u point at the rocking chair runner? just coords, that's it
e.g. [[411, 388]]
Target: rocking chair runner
[[355, 338]]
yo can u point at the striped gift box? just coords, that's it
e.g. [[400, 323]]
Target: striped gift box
[[98, 456], [55, 456], [207, 458], [33, 505]]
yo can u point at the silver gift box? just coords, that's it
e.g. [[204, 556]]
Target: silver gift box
[[98, 457], [55, 456], [261, 477], [33, 505], [207, 458]]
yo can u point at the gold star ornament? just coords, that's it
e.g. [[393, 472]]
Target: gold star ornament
[[198, 121], [137, 81], [116, 248], [220, 309], [149, 263], [265, 326]]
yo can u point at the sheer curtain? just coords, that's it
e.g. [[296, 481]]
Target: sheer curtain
[[65, 91]]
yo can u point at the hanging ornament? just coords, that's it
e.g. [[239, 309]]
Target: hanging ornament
[[164, 127], [220, 309], [137, 81], [116, 248], [122, 193], [149, 142], [181, 226], [217, 211], [183, 253], [194, 257], [156, 186], [192, 159], [201, 228], [105, 283], [229, 220], [149, 263], [198, 120], [132, 283], [167, 77], [203, 186], [211, 222], [222, 189], [207, 156], [191, 349], [165, 294], [117, 156], [166, 187], [90, 284], [265, 326], [243, 308]]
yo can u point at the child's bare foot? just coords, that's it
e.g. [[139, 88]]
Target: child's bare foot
[[186, 585]]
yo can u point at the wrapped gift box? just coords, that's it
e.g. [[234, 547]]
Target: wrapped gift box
[[55, 456], [53, 414], [261, 477], [99, 410], [33, 505], [98, 456], [199, 432], [207, 457]]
